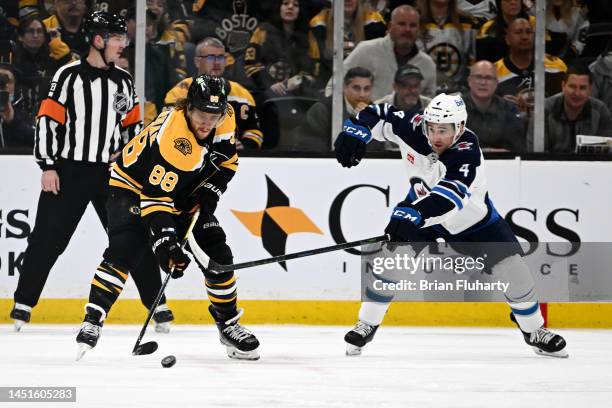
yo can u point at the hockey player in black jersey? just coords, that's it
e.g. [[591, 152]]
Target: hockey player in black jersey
[[183, 160], [448, 199]]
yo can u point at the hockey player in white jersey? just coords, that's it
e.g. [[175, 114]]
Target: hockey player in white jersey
[[447, 199]]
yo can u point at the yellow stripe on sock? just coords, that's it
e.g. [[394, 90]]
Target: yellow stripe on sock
[[217, 300], [95, 282]]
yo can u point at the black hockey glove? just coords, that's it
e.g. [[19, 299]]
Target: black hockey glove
[[208, 198], [405, 222], [350, 146], [169, 253]]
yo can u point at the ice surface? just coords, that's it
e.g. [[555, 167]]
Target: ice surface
[[305, 366]]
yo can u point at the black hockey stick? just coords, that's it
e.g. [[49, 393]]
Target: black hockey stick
[[151, 346], [218, 268]]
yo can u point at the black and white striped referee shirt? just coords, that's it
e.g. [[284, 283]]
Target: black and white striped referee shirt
[[89, 114]]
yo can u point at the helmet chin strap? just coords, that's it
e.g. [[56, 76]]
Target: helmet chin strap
[[102, 50]]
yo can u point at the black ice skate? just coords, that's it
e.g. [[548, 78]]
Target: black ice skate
[[544, 342], [358, 337], [89, 333], [21, 315], [162, 317], [241, 344]]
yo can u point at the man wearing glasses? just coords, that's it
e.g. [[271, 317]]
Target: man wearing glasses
[[497, 122], [211, 59]]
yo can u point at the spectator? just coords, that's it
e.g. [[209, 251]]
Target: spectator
[[8, 28], [601, 71], [490, 42], [382, 56], [596, 32], [67, 24], [314, 134], [574, 112], [497, 122], [449, 39], [210, 59], [361, 23], [515, 72], [32, 56], [233, 22], [407, 86], [277, 56], [171, 35], [563, 23], [482, 10], [15, 128]]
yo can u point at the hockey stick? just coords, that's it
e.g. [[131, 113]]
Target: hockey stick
[[151, 346], [218, 268]]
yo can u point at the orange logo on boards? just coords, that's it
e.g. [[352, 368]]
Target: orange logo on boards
[[276, 222]]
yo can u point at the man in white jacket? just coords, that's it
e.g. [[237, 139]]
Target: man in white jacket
[[383, 56]]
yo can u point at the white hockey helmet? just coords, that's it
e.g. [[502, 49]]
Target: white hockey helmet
[[446, 109]]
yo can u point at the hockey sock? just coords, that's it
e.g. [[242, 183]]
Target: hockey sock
[[373, 313], [521, 294], [222, 293], [528, 315], [107, 285]]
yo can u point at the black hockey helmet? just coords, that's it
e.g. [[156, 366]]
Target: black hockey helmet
[[102, 23], [208, 94]]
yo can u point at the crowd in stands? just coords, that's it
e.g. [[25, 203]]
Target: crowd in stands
[[277, 57]]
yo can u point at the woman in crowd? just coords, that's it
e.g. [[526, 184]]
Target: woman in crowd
[[449, 38], [36, 62]]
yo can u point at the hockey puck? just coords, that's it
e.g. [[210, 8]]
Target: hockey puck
[[168, 361]]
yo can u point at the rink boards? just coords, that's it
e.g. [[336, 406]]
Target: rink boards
[[288, 205]]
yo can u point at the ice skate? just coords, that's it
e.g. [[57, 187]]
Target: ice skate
[[544, 342], [241, 344], [21, 315], [358, 337], [89, 333], [162, 317]]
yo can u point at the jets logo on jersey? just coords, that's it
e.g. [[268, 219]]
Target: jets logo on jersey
[[416, 121], [463, 146], [410, 158], [419, 187]]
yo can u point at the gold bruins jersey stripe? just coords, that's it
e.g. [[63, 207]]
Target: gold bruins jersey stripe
[[117, 183], [222, 284], [447, 25], [163, 199], [158, 208], [116, 169]]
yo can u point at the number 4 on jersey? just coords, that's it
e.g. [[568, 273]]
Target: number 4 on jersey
[[465, 169]]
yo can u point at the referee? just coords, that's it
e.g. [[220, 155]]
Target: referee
[[90, 113]]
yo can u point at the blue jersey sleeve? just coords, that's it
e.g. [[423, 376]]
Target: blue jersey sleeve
[[452, 192], [386, 122]]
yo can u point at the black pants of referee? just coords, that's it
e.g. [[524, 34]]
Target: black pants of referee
[[57, 218]]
